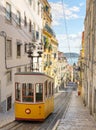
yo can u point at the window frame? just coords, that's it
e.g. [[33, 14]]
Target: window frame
[[8, 48], [25, 20], [19, 69], [18, 18], [8, 12], [30, 26], [9, 102], [27, 96], [19, 98], [46, 89], [30, 2], [42, 96], [9, 76], [19, 49]]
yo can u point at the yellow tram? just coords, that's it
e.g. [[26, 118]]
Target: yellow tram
[[34, 96]]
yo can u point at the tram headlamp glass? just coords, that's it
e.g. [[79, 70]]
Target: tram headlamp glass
[[27, 111]]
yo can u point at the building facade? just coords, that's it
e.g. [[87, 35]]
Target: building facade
[[50, 54], [63, 71], [90, 55], [19, 26]]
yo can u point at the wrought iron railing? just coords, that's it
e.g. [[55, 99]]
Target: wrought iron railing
[[49, 29]]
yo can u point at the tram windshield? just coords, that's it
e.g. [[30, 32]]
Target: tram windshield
[[27, 92]]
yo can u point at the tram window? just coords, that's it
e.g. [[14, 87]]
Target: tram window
[[39, 92], [45, 86], [17, 92], [49, 88], [52, 88], [27, 92], [30, 89]]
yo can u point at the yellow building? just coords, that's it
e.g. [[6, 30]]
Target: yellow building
[[50, 54], [81, 72]]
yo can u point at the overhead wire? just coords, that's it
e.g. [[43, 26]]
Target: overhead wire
[[66, 29]]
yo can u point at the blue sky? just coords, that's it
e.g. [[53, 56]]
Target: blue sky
[[73, 22]]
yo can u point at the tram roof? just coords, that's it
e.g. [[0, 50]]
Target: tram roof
[[32, 73]]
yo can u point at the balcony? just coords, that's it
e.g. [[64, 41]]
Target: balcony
[[46, 10], [49, 30]]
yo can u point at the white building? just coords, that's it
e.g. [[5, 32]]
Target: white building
[[90, 56], [62, 70], [20, 24]]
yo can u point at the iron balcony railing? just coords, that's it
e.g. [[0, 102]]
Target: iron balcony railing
[[49, 29]]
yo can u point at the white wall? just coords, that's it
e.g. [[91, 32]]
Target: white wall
[[15, 33]]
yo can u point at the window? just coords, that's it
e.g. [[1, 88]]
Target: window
[[38, 8], [8, 11], [37, 35], [25, 68], [17, 92], [18, 50], [45, 86], [54, 55], [34, 4], [8, 48], [18, 69], [49, 88], [18, 18], [52, 88], [9, 76], [39, 92], [25, 47], [9, 102], [25, 19], [30, 2], [30, 26], [33, 35], [27, 92]]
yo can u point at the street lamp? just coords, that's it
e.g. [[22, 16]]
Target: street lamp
[[31, 48]]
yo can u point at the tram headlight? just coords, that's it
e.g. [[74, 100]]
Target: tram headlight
[[27, 111]]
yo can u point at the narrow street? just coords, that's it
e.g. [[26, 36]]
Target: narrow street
[[47, 65]]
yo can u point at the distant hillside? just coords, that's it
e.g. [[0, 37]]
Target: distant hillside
[[72, 55]]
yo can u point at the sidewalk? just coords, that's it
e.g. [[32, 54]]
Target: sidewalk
[[7, 117], [77, 116]]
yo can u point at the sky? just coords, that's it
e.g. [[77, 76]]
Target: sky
[[68, 23]]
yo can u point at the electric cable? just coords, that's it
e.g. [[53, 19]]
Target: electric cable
[[66, 29]]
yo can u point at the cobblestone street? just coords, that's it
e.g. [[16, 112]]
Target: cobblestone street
[[77, 117]]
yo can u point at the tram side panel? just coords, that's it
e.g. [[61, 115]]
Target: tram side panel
[[49, 106], [34, 111], [29, 111]]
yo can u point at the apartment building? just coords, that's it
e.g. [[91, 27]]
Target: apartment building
[[90, 55], [50, 54], [20, 28], [62, 71], [81, 72]]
